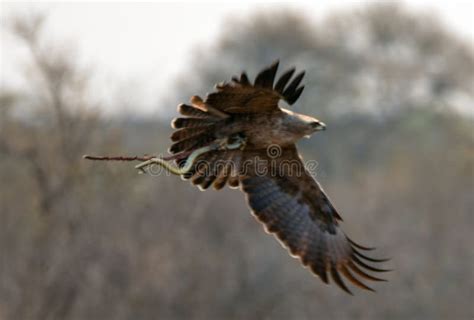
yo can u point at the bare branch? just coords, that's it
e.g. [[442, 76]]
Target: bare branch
[[118, 158]]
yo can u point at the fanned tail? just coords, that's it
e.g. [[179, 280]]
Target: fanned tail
[[196, 129]]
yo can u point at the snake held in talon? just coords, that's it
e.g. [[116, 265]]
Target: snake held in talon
[[189, 161]]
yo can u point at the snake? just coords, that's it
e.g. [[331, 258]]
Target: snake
[[191, 158]]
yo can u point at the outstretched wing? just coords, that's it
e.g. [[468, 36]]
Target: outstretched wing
[[241, 96], [293, 206]]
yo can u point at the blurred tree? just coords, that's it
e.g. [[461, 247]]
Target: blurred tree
[[97, 241], [44, 130], [379, 59]]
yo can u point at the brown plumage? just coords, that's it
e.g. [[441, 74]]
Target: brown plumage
[[280, 191]]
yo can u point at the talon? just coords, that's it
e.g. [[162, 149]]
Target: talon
[[223, 143], [243, 143], [239, 142]]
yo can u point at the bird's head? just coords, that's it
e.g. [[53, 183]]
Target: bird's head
[[303, 124], [316, 125]]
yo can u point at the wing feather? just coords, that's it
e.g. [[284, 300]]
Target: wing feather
[[293, 85], [266, 77], [283, 81], [240, 96], [294, 208], [294, 95]]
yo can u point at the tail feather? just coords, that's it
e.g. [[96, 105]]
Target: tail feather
[[192, 143], [196, 129], [179, 123], [186, 133], [191, 111], [215, 169]]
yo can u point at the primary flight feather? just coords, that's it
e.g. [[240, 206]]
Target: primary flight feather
[[264, 162]]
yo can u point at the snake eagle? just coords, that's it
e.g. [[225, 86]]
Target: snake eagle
[[230, 133]]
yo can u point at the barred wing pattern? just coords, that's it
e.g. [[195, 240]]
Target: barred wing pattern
[[240, 96], [294, 207]]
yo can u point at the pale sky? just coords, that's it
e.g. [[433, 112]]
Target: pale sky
[[109, 37]]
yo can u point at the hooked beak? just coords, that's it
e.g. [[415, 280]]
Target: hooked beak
[[318, 125]]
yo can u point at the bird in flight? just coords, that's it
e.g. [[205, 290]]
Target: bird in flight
[[240, 137]]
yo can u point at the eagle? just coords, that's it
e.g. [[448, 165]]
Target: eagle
[[239, 136]]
